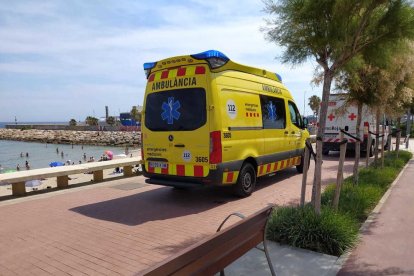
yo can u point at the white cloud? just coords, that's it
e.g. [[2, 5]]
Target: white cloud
[[95, 55]]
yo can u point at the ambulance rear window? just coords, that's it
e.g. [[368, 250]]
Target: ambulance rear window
[[176, 110]]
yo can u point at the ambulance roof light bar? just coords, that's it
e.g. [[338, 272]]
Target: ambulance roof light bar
[[279, 77], [214, 58], [147, 68]]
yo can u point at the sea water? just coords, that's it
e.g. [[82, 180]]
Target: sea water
[[42, 154]]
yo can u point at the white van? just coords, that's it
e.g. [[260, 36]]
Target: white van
[[344, 116]]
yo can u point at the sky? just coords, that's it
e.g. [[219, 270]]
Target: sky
[[66, 59]]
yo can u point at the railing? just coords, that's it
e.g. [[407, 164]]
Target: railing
[[18, 179]]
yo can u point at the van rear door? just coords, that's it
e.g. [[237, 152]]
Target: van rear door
[[176, 129]]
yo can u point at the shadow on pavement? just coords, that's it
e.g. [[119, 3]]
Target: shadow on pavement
[[166, 202], [157, 204]]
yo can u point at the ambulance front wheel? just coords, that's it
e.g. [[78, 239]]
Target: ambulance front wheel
[[246, 181], [299, 168]]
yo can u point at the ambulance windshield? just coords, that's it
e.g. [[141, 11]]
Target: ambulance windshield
[[176, 110]]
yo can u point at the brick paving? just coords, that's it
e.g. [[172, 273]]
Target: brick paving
[[104, 230]]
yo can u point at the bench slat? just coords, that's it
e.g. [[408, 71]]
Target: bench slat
[[213, 254]]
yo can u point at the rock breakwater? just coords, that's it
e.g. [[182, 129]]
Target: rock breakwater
[[98, 138]]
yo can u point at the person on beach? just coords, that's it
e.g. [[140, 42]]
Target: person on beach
[[21, 154], [57, 150], [80, 162], [18, 167], [84, 156], [27, 154], [27, 165], [61, 154]]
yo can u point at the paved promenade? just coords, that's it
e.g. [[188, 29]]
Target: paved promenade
[[121, 227], [387, 245]]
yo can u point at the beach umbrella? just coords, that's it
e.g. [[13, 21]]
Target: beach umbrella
[[33, 183], [110, 154], [56, 164]]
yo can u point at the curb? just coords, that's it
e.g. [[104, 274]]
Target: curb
[[372, 216]]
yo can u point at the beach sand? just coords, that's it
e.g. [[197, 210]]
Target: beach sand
[[50, 183]]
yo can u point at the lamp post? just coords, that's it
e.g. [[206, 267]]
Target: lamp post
[[304, 99]]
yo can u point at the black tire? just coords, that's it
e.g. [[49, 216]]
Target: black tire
[[246, 181], [371, 150]]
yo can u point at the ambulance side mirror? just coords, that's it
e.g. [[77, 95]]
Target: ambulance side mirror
[[305, 123]]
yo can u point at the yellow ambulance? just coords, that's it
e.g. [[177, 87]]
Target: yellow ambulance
[[207, 120]]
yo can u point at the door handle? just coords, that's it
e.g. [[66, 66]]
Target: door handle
[[286, 132], [179, 145], [293, 132]]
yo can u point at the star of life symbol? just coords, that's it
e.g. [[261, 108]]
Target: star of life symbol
[[271, 108], [170, 110]]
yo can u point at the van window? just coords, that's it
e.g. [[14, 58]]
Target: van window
[[273, 110], [294, 115], [176, 110]]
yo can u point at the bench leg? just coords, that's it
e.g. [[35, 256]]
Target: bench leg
[[98, 176], [128, 171], [62, 181], [19, 189], [269, 261]]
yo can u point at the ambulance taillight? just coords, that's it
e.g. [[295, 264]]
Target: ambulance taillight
[[215, 147], [366, 130]]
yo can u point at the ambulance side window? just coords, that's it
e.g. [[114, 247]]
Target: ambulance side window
[[294, 115], [274, 114]]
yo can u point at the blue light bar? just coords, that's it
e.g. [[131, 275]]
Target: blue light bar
[[279, 77], [211, 54], [149, 65]]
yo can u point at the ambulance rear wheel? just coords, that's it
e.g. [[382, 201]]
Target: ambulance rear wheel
[[246, 181]]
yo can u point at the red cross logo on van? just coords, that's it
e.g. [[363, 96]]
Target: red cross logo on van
[[331, 117], [352, 116]]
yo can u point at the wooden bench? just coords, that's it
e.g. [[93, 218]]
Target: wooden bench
[[17, 179], [213, 254]]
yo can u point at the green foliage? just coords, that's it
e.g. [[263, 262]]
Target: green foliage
[[335, 232], [136, 115], [91, 121], [111, 120], [72, 122], [314, 104], [355, 201], [330, 233], [336, 30]]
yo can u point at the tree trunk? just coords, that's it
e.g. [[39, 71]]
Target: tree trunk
[[304, 176], [316, 189], [397, 143], [377, 123], [340, 174], [383, 144], [408, 129], [368, 151], [358, 144]]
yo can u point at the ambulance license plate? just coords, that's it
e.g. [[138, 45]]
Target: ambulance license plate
[[154, 164]]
